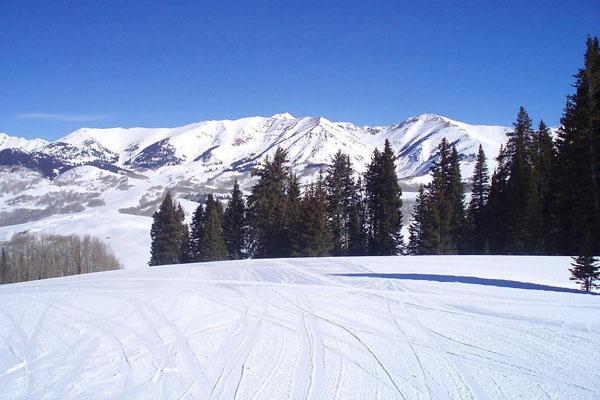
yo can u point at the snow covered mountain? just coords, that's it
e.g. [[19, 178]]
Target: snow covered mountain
[[12, 142], [224, 146], [120, 173]]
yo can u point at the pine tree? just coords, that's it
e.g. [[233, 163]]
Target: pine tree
[[543, 164], [521, 192], [267, 214], [213, 243], [340, 187], [585, 271], [576, 206], [234, 224], [315, 237], [415, 230], [167, 233], [293, 209], [384, 203], [592, 73], [196, 234], [476, 212], [457, 200], [498, 204], [442, 221], [357, 230], [184, 250]]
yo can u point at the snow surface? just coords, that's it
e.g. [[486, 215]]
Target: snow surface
[[450, 327]]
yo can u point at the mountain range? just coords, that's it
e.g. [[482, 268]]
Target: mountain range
[[116, 176]]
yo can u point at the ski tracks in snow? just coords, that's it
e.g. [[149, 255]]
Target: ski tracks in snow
[[291, 329]]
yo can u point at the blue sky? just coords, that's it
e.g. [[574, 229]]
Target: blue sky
[[68, 64]]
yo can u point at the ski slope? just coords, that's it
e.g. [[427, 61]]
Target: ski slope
[[325, 328]]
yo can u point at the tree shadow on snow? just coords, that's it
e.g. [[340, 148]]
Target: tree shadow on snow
[[465, 279]]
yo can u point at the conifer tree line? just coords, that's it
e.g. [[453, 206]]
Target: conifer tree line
[[543, 197], [340, 214]]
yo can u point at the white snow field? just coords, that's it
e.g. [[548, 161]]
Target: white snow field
[[461, 327]]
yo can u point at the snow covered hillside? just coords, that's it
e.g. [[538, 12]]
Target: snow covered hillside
[[325, 328], [108, 182]]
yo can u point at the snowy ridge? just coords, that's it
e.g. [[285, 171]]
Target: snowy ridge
[[240, 144], [13, 142], [108, 182], [446, 327]]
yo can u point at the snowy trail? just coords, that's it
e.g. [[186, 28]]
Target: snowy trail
[[329, 328]]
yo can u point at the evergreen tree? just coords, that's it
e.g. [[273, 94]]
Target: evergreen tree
[[293, 209], [184, 250], [498, 204], [592, 73], [167, 233], [213, 243], [357, 230], [196, 235], [415, 230], [442, 223], [234, 224], [340, 188], [267, 208], [585, 271], [457, 200], [313, 232], [576, 206], [384, 202], [543, 163], [521, 192], [476, 212]]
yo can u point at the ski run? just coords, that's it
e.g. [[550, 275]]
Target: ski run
[[446, 327]]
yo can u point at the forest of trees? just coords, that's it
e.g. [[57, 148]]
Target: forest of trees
[[543, 198], [336, 215], [27, 257]]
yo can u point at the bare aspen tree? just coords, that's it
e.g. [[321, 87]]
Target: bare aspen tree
[[30, 257]]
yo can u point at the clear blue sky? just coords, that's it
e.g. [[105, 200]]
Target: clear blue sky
[[67, 64]]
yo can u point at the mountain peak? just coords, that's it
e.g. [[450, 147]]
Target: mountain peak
[[284, 115], [8, 141]]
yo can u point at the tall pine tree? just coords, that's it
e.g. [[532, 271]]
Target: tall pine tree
[[267, 208], [293, 209], [498, 204], [314, 235], [478, 240], [457, 200], [167, 233], [384, 203], [340, 188], [196, 234], [213, 243], [521, 190], [442, 225], [234, 224], [543, 168], [575, 186], [357, 230], [415, 230]]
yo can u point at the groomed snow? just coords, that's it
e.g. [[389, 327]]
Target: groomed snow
[[326, 328]]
